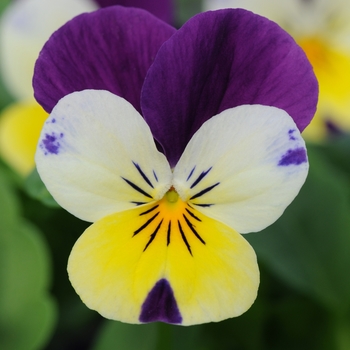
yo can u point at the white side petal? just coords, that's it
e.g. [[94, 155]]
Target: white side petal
[[243, 167], [24, 28], [97, 156]]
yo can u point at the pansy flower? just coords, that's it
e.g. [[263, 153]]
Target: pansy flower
[[322, 29], [173, 143], [25, 26]]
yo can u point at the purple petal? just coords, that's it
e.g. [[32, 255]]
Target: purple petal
[[109, 49], [160, 305], [219, 60], [163, 9]]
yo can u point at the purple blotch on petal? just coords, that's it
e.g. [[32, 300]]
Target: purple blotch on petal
[[291, 136], [160, 305], [293, 157], [51, 144]]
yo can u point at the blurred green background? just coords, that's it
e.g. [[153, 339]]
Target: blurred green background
[[303, 301]]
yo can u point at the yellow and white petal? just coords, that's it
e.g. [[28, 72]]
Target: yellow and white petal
[[20, 126], [307, 18], [96, 155], [299, 18], [24, 28], [339, 26], [243, 167], [272, 9], [264, 8], [164, 262], [332, 68]]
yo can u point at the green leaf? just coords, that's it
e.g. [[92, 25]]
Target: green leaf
[[5, 97], [27, 312], [186, 9], [8, 204], [337, 152], [176, 337], [117, 335], [308, 247], [341, 333], [37, 190], [31, 328], [298, 324], [151, 336], [3, 4]]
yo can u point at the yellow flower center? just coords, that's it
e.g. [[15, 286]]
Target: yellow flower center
[[172, 196], [172, 219]]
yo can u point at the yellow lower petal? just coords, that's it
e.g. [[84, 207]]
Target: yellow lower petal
[[20, 127], [164, 262]]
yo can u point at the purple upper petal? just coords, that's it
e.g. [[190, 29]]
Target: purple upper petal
[[110, 49], [163, 9], [219, 60]]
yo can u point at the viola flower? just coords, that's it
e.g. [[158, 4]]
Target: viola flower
[[225, 98], [322, 29], [24, 28]]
